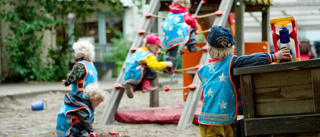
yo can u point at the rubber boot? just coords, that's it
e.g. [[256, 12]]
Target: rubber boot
[[146, 86], [193, 48], [129, 90]]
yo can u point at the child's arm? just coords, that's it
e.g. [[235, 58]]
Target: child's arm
[[190, 21], [83, 117], [153, 63], [260, 58], [77, 73]]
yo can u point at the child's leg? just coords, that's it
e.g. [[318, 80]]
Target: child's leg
[[170, 55], [74, 132], [192, 41], [148, 76], [216, 131]]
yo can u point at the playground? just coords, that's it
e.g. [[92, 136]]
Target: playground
[[275, 92]]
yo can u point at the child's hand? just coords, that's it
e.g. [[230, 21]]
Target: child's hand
[[63, 81], [283, 54], [169, 63]]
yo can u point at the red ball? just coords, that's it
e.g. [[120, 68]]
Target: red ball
[[148, 15], [192, 86], [141, 31], [218, 12], [117, 86], [166, 88]]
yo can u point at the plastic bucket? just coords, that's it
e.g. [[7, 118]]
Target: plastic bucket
[[38, 105]]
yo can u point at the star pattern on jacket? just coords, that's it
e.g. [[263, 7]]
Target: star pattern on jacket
[[138, 67], [210, 92], [165, 24], [223, 105], [144, 53], [184, 25], [204, 105], [170, 28], [232, 93], [90, 72], [222, 78], [211, 66], [179, 32], [177, 19], [204, 80]]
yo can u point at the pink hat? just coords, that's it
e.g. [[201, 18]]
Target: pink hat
[[152, 38]]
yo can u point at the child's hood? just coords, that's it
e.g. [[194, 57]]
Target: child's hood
[[177, 9], [71, 99]]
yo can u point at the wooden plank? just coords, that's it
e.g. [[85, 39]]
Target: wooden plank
[[154, 96], [194, 96], [313, 63], [282, 125], [284, 108], [247, 96], [282, 94], [280, 79], [315, 76], [239, 128]]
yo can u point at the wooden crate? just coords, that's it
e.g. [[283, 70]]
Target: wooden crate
[[281, 98]]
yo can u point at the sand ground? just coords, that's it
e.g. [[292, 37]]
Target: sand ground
[[18, 120]]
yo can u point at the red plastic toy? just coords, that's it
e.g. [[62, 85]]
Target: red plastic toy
[[284, 33]]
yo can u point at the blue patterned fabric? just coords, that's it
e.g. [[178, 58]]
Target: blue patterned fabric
[[133, 71], [176, 30], [220, 100], [91, 77], [66, 121]]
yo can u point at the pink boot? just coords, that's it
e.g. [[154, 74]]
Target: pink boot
[[146, 86], [130, 89]]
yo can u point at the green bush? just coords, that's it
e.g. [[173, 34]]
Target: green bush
[[119, 52]]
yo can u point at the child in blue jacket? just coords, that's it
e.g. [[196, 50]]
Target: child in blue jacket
[[76, 114], [220, 103]]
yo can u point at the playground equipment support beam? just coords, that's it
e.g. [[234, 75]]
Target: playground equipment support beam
[[239, 9], [265, 24], [102, 37], [154, 96]]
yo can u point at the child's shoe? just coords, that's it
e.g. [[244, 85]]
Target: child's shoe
[[129, 90], [146, 86], [193, 48]]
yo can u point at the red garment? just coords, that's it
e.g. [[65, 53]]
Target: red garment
[[187, 17]]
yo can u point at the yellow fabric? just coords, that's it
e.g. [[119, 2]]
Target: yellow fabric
[[152, 62], [216, 131]]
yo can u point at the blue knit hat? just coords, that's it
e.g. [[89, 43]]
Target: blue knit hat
[[220, 33]]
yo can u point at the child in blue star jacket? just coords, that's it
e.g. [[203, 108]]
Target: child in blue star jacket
[[83, 71], [220, 103], [76, 114], [179, 28]]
